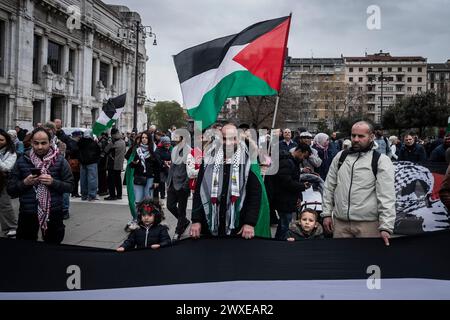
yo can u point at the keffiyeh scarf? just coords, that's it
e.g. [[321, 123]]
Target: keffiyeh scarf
[[143, 153], [42, 191], [212, 184]]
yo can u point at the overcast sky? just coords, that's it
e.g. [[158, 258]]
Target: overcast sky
[[322, 28]]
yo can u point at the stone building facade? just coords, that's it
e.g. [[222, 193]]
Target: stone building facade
[[439, 79], [381, 74], [318, 87], [51, 69]]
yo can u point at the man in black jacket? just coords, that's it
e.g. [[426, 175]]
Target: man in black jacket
[[40, 178], [227, 197], [287, 187], [89, 153]]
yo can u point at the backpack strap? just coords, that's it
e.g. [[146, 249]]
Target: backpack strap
[[344, 155], [375, 157]]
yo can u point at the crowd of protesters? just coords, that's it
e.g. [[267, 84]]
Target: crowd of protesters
[[45, 167]]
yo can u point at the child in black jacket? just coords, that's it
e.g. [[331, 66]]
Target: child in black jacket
[[306, 227], [150, 234]]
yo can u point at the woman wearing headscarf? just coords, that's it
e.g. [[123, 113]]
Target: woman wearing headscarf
[[321, 144]]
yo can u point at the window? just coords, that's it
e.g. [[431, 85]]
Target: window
[[360, 89], [409, 79], [104, 70], [419, 69], [399, 69], [72, 61], [380, 69], [2, 48], [350, 79], [399, 78], [389, 69], [419, 89], [361, 69], [432, 86], [409, 89], [419, 79], [54, 56], [36, 66], [350, 70], [370, 69], [360, 79], [409, 69]]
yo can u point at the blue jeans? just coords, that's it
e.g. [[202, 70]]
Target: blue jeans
[[66, 202], [283, 225], [141, 192], [88, 181]]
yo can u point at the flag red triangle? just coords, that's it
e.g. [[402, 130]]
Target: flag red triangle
[[264, 57]]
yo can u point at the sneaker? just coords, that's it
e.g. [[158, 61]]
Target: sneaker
[[11, 233], [93, 199], [66, 216], [110, 198]]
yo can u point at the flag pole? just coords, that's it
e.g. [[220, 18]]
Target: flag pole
[[275, 112]]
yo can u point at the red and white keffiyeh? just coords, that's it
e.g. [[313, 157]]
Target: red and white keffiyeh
[[42, 191]]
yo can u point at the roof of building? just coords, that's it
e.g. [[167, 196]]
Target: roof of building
[[315, 61], [385, 57], [438, 66]]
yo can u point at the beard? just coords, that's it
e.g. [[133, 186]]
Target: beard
[[229, 151]]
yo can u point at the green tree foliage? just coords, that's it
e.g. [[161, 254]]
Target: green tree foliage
[[167, 113], [417, 111]]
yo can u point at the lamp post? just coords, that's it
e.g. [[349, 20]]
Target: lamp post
[[136, 30]]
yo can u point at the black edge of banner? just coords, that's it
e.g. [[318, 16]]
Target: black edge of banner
[[37, 267]]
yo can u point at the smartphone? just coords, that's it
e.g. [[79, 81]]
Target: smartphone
[[36, 172]]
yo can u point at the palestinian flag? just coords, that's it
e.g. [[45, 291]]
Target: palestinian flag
[[249, 63], [110, 113]]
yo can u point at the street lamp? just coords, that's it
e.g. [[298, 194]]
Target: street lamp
[[134, 32]]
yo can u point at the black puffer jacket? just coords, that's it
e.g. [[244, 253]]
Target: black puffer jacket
[[286, 185], [144, 237], [62, 183], [152, 167], [89, 151]]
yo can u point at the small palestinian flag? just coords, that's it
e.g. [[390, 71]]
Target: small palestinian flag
[[110, 113], [249, 63]]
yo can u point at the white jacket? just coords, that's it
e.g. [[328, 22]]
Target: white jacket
[[7, 160], [353, 193]]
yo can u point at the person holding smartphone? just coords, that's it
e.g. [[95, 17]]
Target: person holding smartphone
[[39, 178]]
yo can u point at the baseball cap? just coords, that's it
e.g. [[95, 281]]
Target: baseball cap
[[306, 134], [165, 139]]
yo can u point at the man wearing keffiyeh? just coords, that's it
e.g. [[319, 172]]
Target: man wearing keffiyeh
[[41, 193], [229, 193]]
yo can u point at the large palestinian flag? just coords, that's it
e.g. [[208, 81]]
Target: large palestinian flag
[[249, 63]]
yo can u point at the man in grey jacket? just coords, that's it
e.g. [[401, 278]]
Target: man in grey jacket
[[115, 151], [355, 202], [178, 186]]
